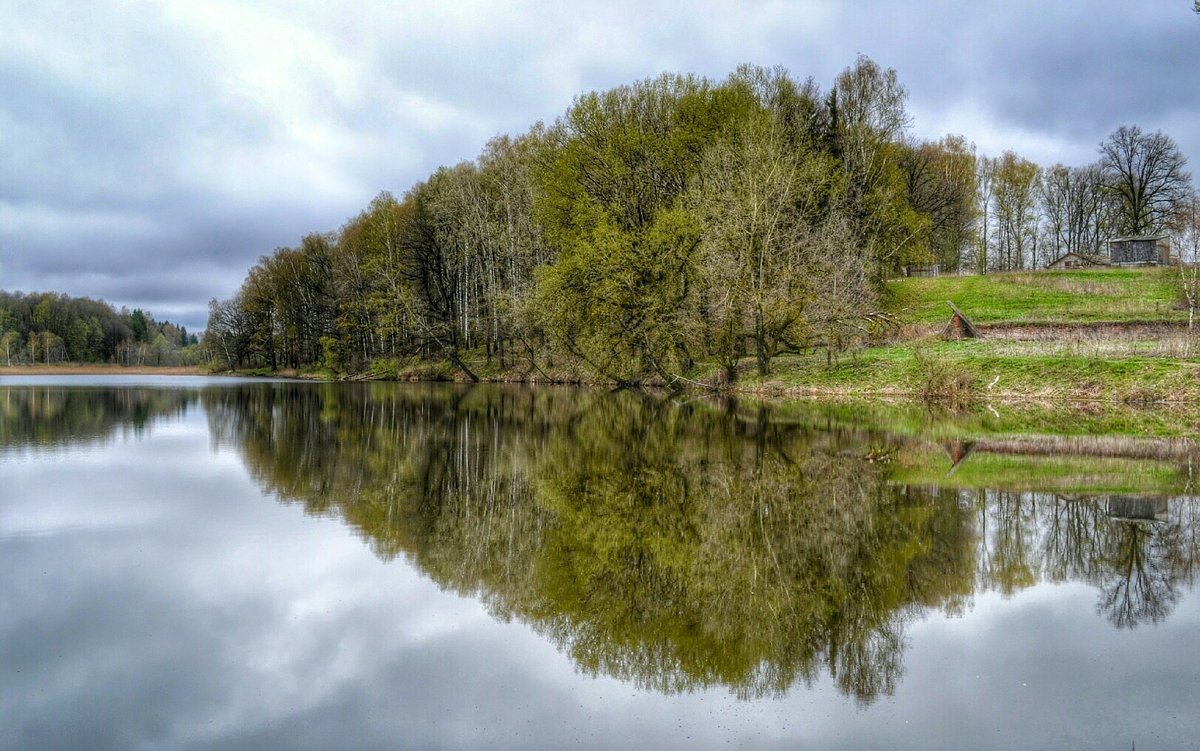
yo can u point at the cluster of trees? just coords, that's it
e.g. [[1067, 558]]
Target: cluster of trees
[[651, 226], [1029, 215], [49, 328], [674, 221]]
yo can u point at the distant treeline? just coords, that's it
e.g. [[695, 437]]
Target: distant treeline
[[50, 327], [667, 223]]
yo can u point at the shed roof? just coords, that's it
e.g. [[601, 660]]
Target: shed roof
[[1096, 261]]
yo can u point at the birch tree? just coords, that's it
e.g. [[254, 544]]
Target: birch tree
[[1187, 244], [1015, 203]]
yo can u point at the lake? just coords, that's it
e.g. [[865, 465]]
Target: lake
[[215, 563]]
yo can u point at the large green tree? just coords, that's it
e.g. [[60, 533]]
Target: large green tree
[[610, 201], [754, 198]]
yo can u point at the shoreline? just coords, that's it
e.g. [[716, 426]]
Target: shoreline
[[885, 405], [1044, 392], [85, 369]]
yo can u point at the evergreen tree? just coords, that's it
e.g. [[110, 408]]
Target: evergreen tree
[[138, 325]]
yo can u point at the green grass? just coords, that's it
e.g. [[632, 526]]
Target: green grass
[[1101, 295], [1112, 368]]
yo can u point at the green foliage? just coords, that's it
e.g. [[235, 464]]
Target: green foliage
[[609, 240], [49, 328], [139, 326], [331, 359], [669, 229], [384, 369], [617, 301], [610, 199]]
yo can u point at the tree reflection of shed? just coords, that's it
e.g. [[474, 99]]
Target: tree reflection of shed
[[1136, 508]]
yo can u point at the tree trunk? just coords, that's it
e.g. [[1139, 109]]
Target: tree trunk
[[760, 343], [454, 358]]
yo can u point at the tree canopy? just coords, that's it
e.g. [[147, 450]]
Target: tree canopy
[[611, 240], [673, 222], [1145, 174], [51, 327]]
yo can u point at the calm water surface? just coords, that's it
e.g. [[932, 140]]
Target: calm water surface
[[189, 563]]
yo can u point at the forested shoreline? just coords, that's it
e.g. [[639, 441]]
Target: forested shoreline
[[677, 224], [50, 328]]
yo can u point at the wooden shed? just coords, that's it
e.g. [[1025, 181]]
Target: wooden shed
[[929, 269], [1148, 250], [1075, 261]]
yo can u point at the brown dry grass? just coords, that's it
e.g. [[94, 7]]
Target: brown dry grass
[[98, 369]]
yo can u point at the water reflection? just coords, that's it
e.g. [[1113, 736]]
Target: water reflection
[[1140, 553], [50, 416], [684, 545]]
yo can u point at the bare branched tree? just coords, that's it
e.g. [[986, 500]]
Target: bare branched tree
[[1076, 208], [1145, 174]]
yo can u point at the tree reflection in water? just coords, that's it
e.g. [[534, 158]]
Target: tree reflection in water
[[55, 416], [1140, 565], [675, 545], [679, 545]]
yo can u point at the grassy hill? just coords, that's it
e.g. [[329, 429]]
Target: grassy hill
[[1072, 356], [1092, 296]]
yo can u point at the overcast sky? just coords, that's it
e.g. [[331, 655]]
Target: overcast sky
[[150, 153]]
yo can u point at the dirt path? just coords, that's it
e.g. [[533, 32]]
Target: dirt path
[[1131, 330]]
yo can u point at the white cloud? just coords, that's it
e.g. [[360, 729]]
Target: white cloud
[[992, 135]]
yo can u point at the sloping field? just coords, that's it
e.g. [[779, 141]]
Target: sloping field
[[1033, 297]]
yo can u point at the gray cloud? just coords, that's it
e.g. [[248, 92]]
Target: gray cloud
[[150, 155]]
